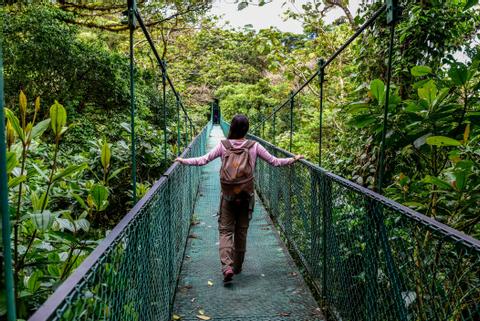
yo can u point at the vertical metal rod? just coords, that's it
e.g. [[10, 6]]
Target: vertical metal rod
[[291, 121], [164, 103], [186, 130], [381, 165], [274, 133], [131, 21], [6, 229], [179, 140], [321, 75], [263, 128]]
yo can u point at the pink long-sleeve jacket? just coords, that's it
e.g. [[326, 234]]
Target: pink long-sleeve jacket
[[255, 150]]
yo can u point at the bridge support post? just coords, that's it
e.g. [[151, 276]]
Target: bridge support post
[[291, 120], [164, 106], [186, 130], [273, 128], [179, 139], [6, 229], [321, 78], [132, 7]]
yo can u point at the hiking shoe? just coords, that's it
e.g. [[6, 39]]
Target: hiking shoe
[[228, 274]]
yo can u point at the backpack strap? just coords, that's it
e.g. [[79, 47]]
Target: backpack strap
[[249, 144], [226, 143]]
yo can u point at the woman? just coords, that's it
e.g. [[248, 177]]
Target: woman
[[237, 199]]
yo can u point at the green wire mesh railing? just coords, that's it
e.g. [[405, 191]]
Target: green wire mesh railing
[[368, 257], [132, 274]]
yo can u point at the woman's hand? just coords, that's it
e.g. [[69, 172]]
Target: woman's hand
[[297, 157], [179, 159]]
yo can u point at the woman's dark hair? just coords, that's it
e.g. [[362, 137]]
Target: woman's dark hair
[[238, 127]]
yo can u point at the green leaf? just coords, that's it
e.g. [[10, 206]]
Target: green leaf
[[99, 195], [82, 224], [419, 71], [459, 74], [362, 121], [58, 116], [377, 88], [70, 170], [40, 171], [442, 141], [40, 128], [16, 181], [357, 107], [80, 200], [11, 161], [115, 173], [32, 282], [437, 181], [43, 221], [106, 155], [470, 4], [428, 92], [15, 124]]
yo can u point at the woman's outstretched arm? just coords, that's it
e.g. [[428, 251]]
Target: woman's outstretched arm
[[202, 160], [274, 161]]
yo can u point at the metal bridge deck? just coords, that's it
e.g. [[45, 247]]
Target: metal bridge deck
[[270, 286]]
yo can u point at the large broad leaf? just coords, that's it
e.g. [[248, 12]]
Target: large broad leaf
[[58, 116], [32, 282], [437, 181], [428, 92], [462, 169], [459, 74], [15, 124], [70, 170], [99, 195], [377, 88], [40, 128], [419, 71], [65, 224], [442, 141], [43, 221]]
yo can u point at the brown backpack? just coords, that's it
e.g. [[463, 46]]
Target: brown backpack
[[236, 173]]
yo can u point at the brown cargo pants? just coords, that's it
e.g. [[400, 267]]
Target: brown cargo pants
[[233, 221]]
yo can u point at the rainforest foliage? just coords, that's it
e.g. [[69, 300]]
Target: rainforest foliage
[[67, 98]]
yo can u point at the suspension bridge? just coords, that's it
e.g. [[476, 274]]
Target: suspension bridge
[[320, 247]]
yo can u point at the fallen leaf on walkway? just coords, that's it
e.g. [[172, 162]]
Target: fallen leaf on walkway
[[203, 317], [284, 314], [193, 300], [176, 317], [193, 236], [210, 283], [263, 275], [202, 312], [293, 273]]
